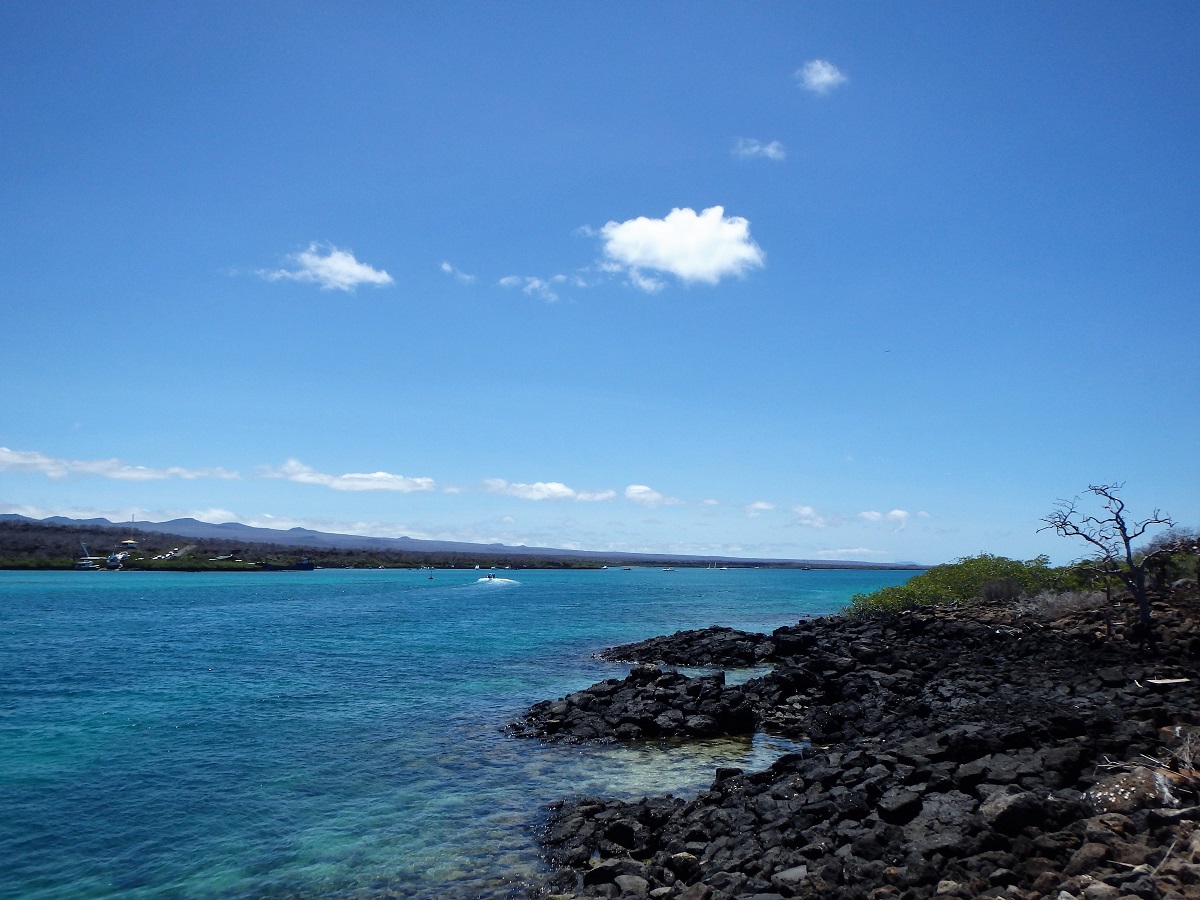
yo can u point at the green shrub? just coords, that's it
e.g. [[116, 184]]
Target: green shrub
[[972, 577], [1001, 589]]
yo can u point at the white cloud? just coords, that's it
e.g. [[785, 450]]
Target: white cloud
[[819, 76], [898, 516], [336, 526], [540, 490], [693, 247], [643, 495], [214, 514], [749, 148], [52, 467], [647, 496], [710, 502], [595, 496], [850, 553], [294, 470], [458, 274], [808, 517], [757, 507], [331, 268], [535, 287], [544, 490], [647, 283]]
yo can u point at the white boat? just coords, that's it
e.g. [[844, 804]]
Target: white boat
[[87, 563]]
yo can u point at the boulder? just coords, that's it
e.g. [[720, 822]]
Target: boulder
[[650, 703], [1138, 788], [1008, 813], [944, 822]]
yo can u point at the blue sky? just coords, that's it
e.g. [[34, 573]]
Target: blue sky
[[812, 280]]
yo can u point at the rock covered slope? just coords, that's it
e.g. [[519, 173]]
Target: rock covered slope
[[957, 752]]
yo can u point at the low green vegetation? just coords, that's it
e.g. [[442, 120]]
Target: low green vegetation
[[997, 578], [1157, 566], [972, 577]]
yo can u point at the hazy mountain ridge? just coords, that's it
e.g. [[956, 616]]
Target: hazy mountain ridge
[[304, 538]]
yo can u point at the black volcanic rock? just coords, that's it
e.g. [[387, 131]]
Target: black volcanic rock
[[649, 703], [963, 752], [715, 646]]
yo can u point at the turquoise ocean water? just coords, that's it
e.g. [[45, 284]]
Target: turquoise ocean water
[[330, 733]]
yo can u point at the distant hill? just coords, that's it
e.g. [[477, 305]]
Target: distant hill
[[405, 550]]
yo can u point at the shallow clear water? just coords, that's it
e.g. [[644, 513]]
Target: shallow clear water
[[330, 733]]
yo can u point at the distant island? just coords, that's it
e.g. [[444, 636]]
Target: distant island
[[191, 545]]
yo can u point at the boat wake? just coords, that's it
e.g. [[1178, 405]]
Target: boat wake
[[493, 580]]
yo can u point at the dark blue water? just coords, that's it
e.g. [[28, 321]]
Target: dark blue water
[[329, 733]]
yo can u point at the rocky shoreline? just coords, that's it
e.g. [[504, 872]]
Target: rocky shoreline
[[973, 751]]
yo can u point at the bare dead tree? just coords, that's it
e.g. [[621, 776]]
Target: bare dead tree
[[1113, 536]]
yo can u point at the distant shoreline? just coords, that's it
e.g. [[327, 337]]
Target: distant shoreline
[[69, 567], [57, 544]]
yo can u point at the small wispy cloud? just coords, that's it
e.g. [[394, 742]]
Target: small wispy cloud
[[819, 76], [850, 553], [705, 247], [56, 468], [294, 470], [643, 282], [899, 517], [758, 507], [367, 528], [330, 268], [215, 514], [544, 490], [529, 284], [749, 148], [809, 517], [595, 496], [643, 495], [457, 274]]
